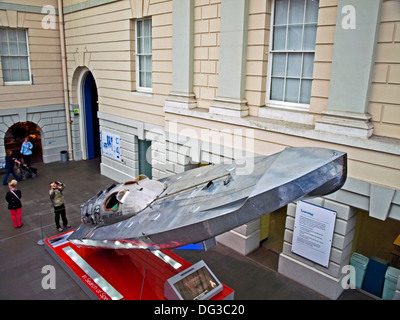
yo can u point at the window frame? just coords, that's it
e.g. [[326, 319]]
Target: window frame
[[271, 52], [19, 82], [140, 88]]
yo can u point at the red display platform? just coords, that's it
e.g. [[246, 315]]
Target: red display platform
[[123, 274]]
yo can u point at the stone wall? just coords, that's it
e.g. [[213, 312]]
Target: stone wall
[[51, 121]]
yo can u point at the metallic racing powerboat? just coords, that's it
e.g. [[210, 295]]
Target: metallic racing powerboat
[[202, 203]]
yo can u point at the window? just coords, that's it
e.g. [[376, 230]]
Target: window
[[143, 55], [14, 56], [145, 158], [294, 31]]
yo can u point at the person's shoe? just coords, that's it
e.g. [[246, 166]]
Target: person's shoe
[[20, 225], [60, 229], [67, 226]]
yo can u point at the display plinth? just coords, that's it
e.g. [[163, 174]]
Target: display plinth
[[124, 274]]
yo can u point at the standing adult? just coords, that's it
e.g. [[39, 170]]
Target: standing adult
[[26, 151], [13, 197], [58, 202], [10, 168]]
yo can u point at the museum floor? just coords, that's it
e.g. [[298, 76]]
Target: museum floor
[[253, 277]]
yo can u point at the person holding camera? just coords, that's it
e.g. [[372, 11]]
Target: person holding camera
[[57, 200]]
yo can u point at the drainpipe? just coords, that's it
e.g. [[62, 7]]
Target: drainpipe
[[65, 77]]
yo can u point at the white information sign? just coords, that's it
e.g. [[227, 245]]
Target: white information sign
[[313, 232], [110, 145]]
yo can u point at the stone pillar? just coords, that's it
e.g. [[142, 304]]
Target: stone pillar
[[182, 95], [357, 27], [232, 59], [326, 281], [243, 239]]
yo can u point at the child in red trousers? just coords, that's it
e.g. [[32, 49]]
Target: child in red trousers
[[13, 198]]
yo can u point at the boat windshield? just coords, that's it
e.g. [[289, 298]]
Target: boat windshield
[[112, 202]]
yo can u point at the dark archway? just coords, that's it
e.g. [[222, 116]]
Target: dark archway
[[15, 136], [91, 107]]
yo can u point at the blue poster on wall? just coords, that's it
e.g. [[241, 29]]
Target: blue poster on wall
[[110, 145]]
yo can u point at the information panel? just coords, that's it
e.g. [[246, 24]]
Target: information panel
[[313, 232], [110, 145]]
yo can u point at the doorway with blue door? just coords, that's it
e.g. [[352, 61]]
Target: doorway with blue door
[[91, 120]]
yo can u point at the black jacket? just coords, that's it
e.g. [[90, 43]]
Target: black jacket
[[9, 163], [13, 201]]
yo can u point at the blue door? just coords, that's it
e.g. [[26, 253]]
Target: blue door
[[91, 119]]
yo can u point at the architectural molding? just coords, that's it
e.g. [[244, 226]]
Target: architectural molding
[[22, 7], [85, 5], [286, 114], [181, 100], [346, 123], [374, 143], [229, 107]]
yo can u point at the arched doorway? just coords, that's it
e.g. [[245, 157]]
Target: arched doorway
[[90, 125], [15, 136]]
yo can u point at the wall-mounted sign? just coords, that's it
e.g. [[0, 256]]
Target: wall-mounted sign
[[313, 232], [110, 145]]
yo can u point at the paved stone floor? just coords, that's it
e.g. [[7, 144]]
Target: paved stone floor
[[21, 259]]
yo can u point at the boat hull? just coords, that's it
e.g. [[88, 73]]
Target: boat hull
[[202, 203]]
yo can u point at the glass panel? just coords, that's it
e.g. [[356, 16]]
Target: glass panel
[[292, 90], [305, 94], [25, 75], [22, 48], [281, 11], [13, 48], [279, 64], [21, 34], [150, 44], [141, 63], [146, 28], [148, 63], [312, 11], [12, 34], [294, 37], [15, 75], [23, 62], [139, 28], [146, 45], [5, 62], [294, 65], [308, 65], [310, 35], [139, 45], [279, 38], [142, 45], [296, 11], [6, 75], [148, 79], [142, 79], [4, 48], [14, 63], [277, 89], [3, 35]]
